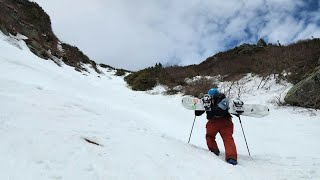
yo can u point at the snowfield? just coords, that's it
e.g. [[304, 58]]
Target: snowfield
[[46, 111]]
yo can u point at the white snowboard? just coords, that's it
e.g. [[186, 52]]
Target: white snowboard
[[253, 110]]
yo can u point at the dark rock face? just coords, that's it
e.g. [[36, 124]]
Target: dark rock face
[[307, 92], [29, 19], [261, 43]]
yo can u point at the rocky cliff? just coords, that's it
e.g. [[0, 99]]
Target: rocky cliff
[[29, 19]]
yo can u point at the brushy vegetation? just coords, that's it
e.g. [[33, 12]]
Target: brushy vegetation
[[297, 58], [292, 63], [145, 79], [195, 88], [121, 72]]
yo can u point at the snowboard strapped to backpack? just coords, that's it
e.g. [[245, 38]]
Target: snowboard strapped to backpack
[[218, 104], [233, 106]]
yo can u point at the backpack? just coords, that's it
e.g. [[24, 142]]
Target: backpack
[[220, 105]]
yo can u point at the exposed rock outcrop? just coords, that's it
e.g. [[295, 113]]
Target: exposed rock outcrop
[[30, 20], [307, 92], [261, 43]]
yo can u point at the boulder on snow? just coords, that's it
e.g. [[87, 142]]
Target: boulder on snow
[[306, 92]]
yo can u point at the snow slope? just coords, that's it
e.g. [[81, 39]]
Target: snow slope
[[47, 111]]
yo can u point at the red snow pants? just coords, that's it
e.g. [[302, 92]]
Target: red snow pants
[[224, 127]]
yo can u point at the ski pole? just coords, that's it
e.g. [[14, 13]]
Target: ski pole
[[192, 128], [244, 135]]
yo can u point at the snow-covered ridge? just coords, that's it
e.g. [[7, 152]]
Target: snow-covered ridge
[[47, 111]]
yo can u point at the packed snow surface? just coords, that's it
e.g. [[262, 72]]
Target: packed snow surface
[[47, 111]]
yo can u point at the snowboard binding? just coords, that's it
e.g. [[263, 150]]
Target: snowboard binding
[[206, 102], [238, 106]]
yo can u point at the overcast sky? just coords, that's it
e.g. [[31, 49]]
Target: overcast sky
[[134, 34]]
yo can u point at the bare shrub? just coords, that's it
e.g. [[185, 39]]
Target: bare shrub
[[234, 89], [278, 100], [120, 72], [199, 86], [264, 81]]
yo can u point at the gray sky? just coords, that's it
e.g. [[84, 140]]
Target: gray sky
[[134, 34]]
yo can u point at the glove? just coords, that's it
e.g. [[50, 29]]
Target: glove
[[198, 113]]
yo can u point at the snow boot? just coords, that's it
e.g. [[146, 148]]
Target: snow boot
[[216, 152], [232, 161]]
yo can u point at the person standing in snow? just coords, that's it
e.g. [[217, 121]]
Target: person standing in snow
[[219, 121]]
